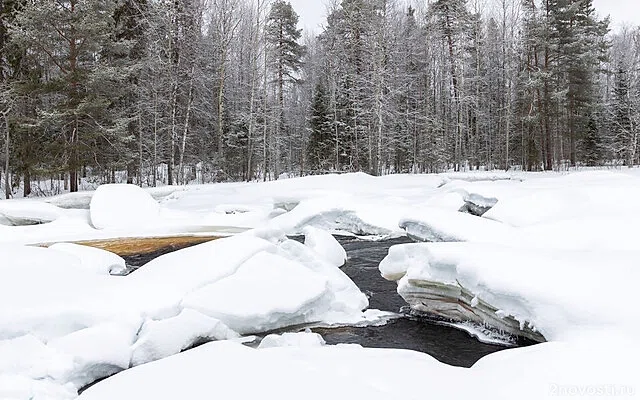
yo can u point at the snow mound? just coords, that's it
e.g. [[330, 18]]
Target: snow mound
[[325, 245], [283, 372], [64, 298], [30, 357], [160, 339], [347, 297], [551, 199], [300, 339], [117, 206], [76, 324], [18, 387], [437, 225], [402, 258], [97, 352], [267, 292], [576, 370], [93, 259], [554, 292], [27, 212]]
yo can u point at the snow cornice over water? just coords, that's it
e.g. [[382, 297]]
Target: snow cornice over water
[[543, 255]]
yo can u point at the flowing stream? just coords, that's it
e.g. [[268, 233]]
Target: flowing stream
[[445, 343]]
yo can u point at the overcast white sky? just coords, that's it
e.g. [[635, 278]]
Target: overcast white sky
[[312, 12]]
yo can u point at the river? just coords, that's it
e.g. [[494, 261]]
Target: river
[[445, 343]]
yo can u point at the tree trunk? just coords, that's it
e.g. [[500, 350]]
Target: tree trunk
[[7, 176], [221, 104], [73, 160], [185, 131], [140, 154], [265, 163], [172, 141], [27, 183], [251, 122], [155, 139]]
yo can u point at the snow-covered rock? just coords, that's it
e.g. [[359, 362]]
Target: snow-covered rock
[[436, 225], [347, 297], [551, 199], [554, 292], [160, 339], [20, 387], [267, 292], [97, 352], [300, 339], [30, 357], [117, 206], [27, 212], [325, 245], [49, 293], [93, 259]]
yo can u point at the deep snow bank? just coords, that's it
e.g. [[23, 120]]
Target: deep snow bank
[[553, 292], [349, 371], [553, 255], [74, 323]]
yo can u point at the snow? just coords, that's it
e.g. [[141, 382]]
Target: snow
[[348, 371], [97, 352], [347, 297], [552, 255], [281, 372], [121, 205], [162, 338], [288, 339], [29, 356], [19, 387], [325, 245], [267, 292], [27, 212], [76, 324], [581, 194], [556, 292], [91, 258], [437, 225]]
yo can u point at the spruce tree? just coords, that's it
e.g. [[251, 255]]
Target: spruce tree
[[581, 47], [622, 109], [319, 149]]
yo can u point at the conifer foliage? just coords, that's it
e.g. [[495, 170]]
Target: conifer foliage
[[179, 91]]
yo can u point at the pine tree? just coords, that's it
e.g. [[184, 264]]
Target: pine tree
[[71, 35], [286, 60]]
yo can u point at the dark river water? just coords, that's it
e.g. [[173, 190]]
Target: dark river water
[[447, 344]]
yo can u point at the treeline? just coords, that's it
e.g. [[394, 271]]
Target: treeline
[[173, 91]]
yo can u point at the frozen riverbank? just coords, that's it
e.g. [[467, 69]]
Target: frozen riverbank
[[555, 254]]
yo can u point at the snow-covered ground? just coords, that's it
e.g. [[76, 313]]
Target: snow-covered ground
[[555, 255]]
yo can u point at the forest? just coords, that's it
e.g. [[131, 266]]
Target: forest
[[158, 92]]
